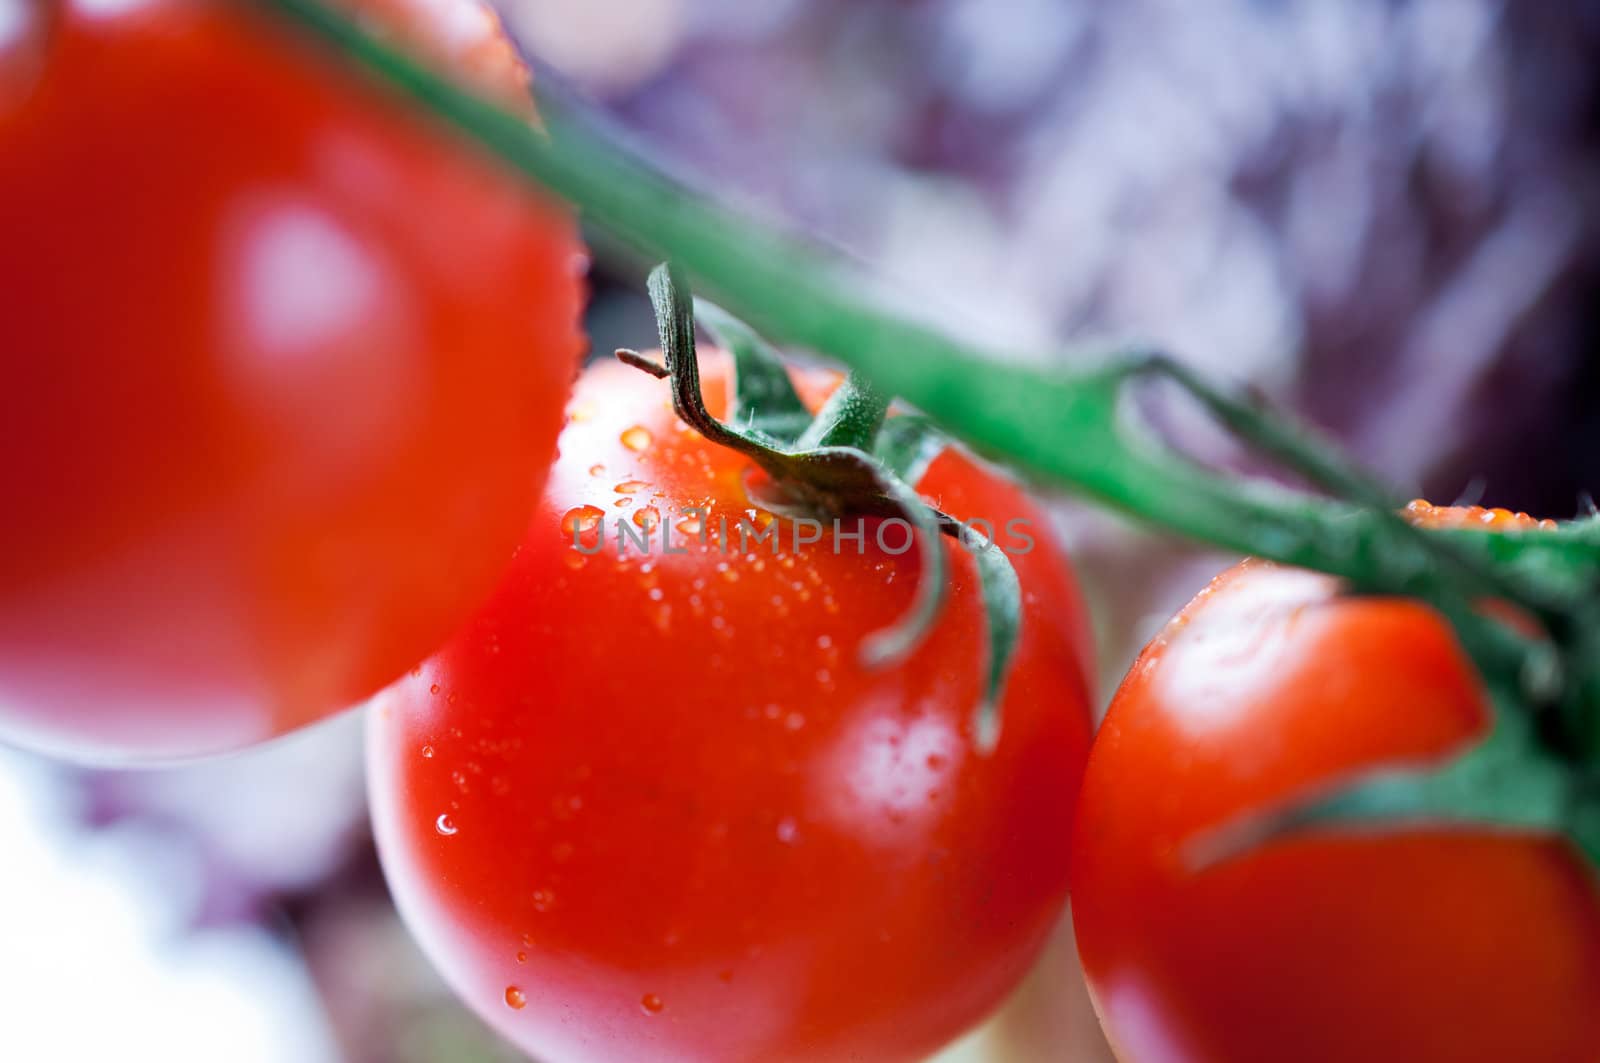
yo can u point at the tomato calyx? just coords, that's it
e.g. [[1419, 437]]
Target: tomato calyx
[[851, 459], [1536, 772], [1508, 784]]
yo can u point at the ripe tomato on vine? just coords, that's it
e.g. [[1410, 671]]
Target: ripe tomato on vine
[[1418, 941], [652, 805], [286, 366]]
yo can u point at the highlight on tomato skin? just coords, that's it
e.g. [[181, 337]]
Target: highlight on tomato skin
[[654, 807], [275, 402], [1460, 944]]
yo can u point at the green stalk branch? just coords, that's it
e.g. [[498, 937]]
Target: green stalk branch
[[1059, 427], [1056, 426]]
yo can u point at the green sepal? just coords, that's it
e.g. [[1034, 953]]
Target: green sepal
[[907, 445], [1505, 784], [1002, 612], [851, 417], [764, 398]]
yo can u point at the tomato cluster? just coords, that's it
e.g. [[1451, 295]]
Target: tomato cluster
[[279, 423]]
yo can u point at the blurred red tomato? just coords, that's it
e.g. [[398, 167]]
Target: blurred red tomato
[[1442, 944], [653, 807], [284, 365]]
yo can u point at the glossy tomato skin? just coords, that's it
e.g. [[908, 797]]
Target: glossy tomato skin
[[653, 808], [1416, 945], [283, 363]]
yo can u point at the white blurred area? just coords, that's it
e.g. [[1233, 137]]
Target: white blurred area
[[109, 952]]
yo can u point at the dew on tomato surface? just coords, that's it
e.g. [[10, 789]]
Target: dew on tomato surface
[[445, 825], [522, 957], [637, 438], [597, 470], [652, 1004], [516, 999], [427, 752], [630, 487], [581, 519], [788, 830], [543, 900], [433, 688]]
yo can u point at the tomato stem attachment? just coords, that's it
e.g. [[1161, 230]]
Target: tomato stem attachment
[[833, 465]]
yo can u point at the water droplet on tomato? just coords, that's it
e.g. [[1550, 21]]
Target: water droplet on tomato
[[522, 957], [788, 830], [427, 752], [636, 438], [648, 518], [433, 688], [652, 1004], [631, 487], [581, 519], [543, 900], [516, 999], [445, 825], [597, 470]]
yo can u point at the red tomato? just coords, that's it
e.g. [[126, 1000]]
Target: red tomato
[[652, 807], [1435, 944], [283, 365]]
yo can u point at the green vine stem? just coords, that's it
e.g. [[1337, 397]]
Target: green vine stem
[[1062, 428], [1059, 427]]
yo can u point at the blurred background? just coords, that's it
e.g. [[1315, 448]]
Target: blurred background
[[1381, 214]]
